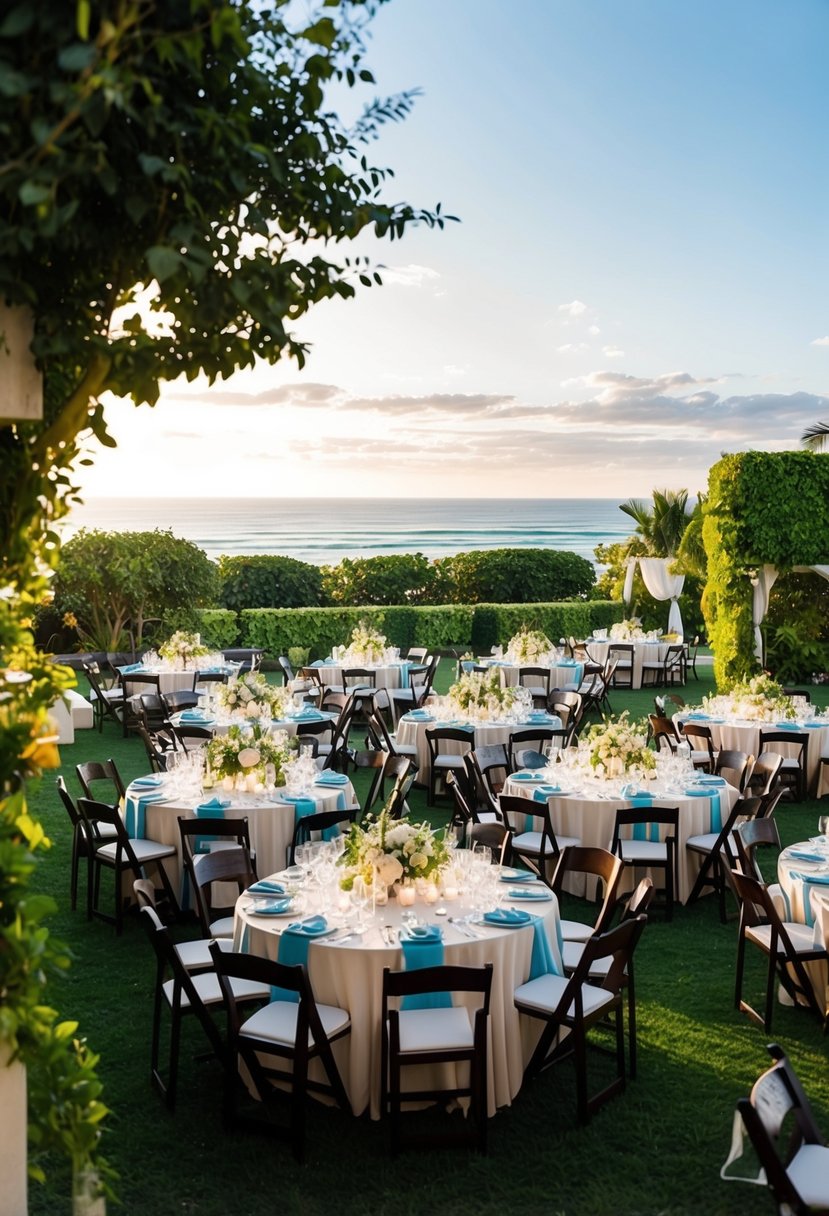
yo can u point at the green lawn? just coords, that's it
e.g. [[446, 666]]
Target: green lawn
[[656, 1149]]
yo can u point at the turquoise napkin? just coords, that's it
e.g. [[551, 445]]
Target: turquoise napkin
[[526, 777], [331, 778], [136, 810], [507, 918], [518, 876], [192, 715], [529, 893], [716, 810], [266, 886], [293, 949], [273, 907], [787, 725], [321, 662], [132, 669], [543, 960], [543, 792], [697, 717], [809, 880], [806, 855], [423, 947], [305, 714], [147, 782], [214, 809]]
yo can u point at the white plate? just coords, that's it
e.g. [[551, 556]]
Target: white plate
[[258, 907]]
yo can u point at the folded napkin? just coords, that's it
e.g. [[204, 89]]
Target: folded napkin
[[815, 725], [293, 949], [529, 893], [147, 782], [215, 808], [304, 715], [527, 777], [321, 662], [423, 947], [507, 918], [192, 715], [266, 886], [808, 855], [543, 792], [302, 805], [518, 876], [421, 714], [331, 778], [273, 907], [132, 669], [708, 779], [787, 725]]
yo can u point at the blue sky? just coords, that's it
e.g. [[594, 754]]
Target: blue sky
[[637, 284]]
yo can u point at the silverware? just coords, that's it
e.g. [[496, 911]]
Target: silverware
[[462, 926]]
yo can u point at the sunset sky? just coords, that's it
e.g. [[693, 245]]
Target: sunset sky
[[638, 282]]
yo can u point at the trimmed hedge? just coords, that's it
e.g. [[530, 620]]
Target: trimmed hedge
[[515, 576], [219, 627], [268, 580], [437, 628]]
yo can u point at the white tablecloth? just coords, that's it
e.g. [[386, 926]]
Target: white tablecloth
[[351, 976], [561, 673], [271, 823], [384, 676], [220, 726], [650, 652], [412, 732], [591, 818], [738, 735], [793, 874]]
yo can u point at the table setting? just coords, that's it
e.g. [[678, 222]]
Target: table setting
[[335, 912], [612, 767], [803, 875], [247, 700], [649, 646], [177, 661], [532, 648], [736, 718]]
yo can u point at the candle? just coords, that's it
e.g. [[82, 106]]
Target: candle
[[406, 896], [431, 893], [227, 783], [450, 892], [250, 783]]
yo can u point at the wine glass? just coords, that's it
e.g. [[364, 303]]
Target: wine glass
[[823, 825], [361, 898]]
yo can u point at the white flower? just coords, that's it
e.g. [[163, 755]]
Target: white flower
[[249, 756], [419, 861], [389, 869]]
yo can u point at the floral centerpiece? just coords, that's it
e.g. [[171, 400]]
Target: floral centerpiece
[[616, 749], [530, 646], [627, 631], [480, 694], [247, 752], [366, 645], [393, 849], [251, 696], [760, 699], [182, 648]]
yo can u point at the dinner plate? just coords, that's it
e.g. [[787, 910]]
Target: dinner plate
[[273, 907], [517, 895]]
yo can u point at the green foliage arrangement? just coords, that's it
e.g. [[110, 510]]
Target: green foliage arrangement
[[797, 628], [514, 576], [763, 508], [219, 627], [396, 578], [269, 581], [436, 627], [115, 582]]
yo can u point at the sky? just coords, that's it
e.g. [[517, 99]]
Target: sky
[[637, 283]]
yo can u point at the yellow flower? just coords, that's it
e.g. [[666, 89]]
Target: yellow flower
[[42, 752], [70, 620]]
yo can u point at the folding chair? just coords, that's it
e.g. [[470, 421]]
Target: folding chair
[[648, 848], [538, 847]]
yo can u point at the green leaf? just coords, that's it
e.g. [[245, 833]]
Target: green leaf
[[32, 194], [83, 13], [163, 261], [77, 57], [321, 33], [18, 21]]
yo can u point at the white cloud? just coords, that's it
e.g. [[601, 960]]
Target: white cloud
[[574, 309], [408, 276], [613, 352], [820, 341], [573, 348], [594, 330]]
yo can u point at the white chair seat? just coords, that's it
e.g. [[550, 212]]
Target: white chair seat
[[704, 843], [446, 761], [809, 1171], [575, 931], [195, 955], [801, 936], [530, 842], [571, 957], [544, 995], [403, 749], [791, 765], [276, 1023], [145, 850], [644, 851], [207, 986], [435, 1029], [223, 927]]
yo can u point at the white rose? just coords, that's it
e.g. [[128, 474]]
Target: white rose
[[249, 756], [253, 709]]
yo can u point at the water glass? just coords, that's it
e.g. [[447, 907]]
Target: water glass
[[823, 825]]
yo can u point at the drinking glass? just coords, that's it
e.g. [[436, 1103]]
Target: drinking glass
[[823, 825], [361, 899]]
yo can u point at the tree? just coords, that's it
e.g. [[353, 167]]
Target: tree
[[514, 576], [269, 580], [114, 583], [816, 436], [394, 578], [166, 166], [662, 525]]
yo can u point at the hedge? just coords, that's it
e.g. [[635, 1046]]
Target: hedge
[[437, 628], [268, 580], [219, 627], [763, 508]]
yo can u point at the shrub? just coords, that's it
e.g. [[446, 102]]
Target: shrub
[[219, 627], [516, 576], [267, 580], [396, 578]]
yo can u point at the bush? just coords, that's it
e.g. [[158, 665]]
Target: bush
[[516, 576], [267, 580], [396, 578], [219, 627], [437, 627]]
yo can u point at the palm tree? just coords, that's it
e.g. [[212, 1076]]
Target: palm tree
[[662, 525], [815, 437]]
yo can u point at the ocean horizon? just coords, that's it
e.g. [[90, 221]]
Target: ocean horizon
[[323, 531]]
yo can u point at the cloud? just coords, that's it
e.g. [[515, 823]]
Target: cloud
[[612, 352], [408, 276], [574, 309], [286, 394], [593, 330], [820, 341], [436, 403], [573, 348]]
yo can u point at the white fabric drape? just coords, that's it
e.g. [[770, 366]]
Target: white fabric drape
[[663, 585], [766, 578], [627, 594]]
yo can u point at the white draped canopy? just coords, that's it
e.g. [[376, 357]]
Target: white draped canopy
[[661, 584]]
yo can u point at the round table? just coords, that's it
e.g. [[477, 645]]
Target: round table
[[588, 812], [805, 886], [173, 679], [562, 672], [271, 822], [350, 975], [386, 675], [739, 735], [411, 731], [220, 725]]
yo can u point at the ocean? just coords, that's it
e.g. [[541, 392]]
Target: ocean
[[325, 530]]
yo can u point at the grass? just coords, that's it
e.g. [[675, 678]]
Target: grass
[[656, 1149]]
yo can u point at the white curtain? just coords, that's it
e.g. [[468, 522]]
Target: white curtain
[[766, 578], [627, 594], [664, 586], [823, 571]]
